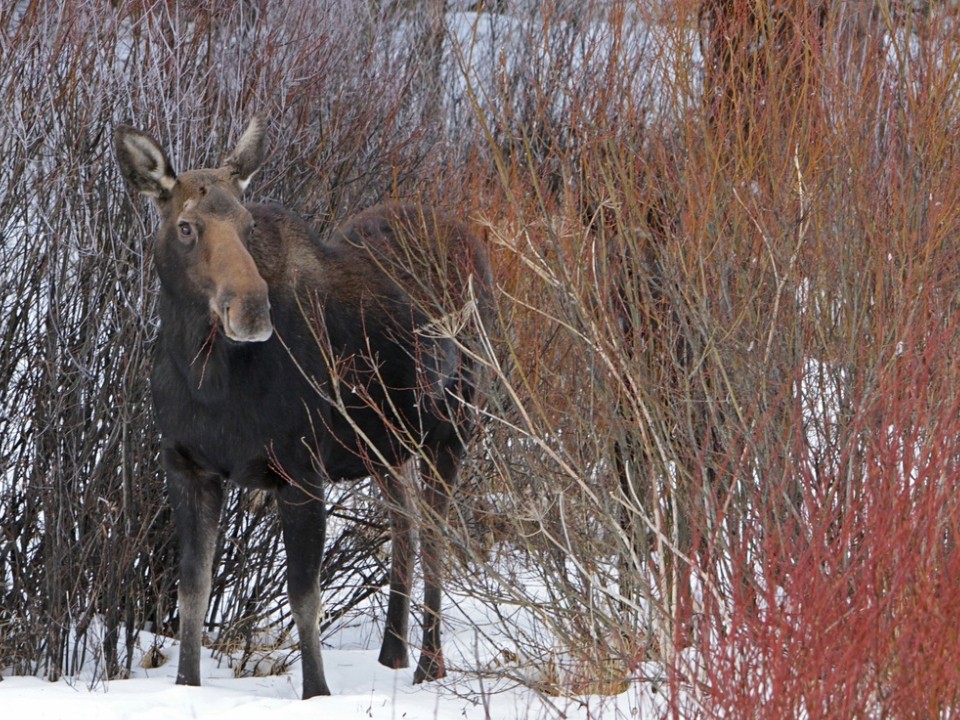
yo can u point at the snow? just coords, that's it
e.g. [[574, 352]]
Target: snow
[[362, 689], [476, 687]]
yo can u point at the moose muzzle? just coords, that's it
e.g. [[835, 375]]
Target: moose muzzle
[[246, 317]]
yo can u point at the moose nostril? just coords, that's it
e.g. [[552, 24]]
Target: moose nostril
[[225, 304]]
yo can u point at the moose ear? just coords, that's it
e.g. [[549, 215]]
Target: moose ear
[[247, 156], [144, 164]]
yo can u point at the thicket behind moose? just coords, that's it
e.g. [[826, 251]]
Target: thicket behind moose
[[285, 361]]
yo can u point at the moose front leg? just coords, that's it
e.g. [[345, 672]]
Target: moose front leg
[[303, 518], [196, 496]]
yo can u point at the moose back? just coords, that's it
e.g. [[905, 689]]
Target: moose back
[[285, 361]]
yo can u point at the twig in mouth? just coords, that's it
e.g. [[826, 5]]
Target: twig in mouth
[[208, 345]]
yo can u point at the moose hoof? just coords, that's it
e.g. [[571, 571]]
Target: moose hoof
[[429, 668]]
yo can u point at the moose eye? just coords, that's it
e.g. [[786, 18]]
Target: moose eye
[[185, 231]]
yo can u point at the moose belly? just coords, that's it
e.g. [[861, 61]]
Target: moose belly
[[224, 449]]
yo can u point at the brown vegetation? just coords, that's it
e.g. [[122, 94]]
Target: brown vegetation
[[724, 429]]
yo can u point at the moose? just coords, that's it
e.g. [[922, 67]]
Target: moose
[[288, 358]]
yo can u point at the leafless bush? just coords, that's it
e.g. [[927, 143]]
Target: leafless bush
[[706, 323], [722, 394], [86, 532]]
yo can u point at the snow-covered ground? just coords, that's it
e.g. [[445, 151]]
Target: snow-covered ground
[[476, 687], [363, 689]]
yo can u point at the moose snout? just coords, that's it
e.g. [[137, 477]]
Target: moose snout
[[246, 317]]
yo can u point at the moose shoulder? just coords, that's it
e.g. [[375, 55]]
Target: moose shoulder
[[285, 361]]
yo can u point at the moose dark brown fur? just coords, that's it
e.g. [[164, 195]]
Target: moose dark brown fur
[[285, 361]]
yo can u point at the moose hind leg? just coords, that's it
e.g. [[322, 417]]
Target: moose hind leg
[[196, 497], [393, 652], [304, 527], [438, 477]]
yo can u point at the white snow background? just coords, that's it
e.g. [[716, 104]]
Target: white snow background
[[477, 686]]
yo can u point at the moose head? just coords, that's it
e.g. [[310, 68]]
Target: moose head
[[205, 229]]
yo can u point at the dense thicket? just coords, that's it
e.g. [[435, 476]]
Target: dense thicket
[[87, 548], [721, 447]]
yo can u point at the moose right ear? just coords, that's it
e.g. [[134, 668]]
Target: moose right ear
[[247, 156], [144, 164]]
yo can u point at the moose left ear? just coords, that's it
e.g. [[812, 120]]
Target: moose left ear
[[144, 164], [247, 156]]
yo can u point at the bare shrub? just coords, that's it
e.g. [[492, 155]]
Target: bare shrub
[[86, 529], [709, 327], [720, 444]]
